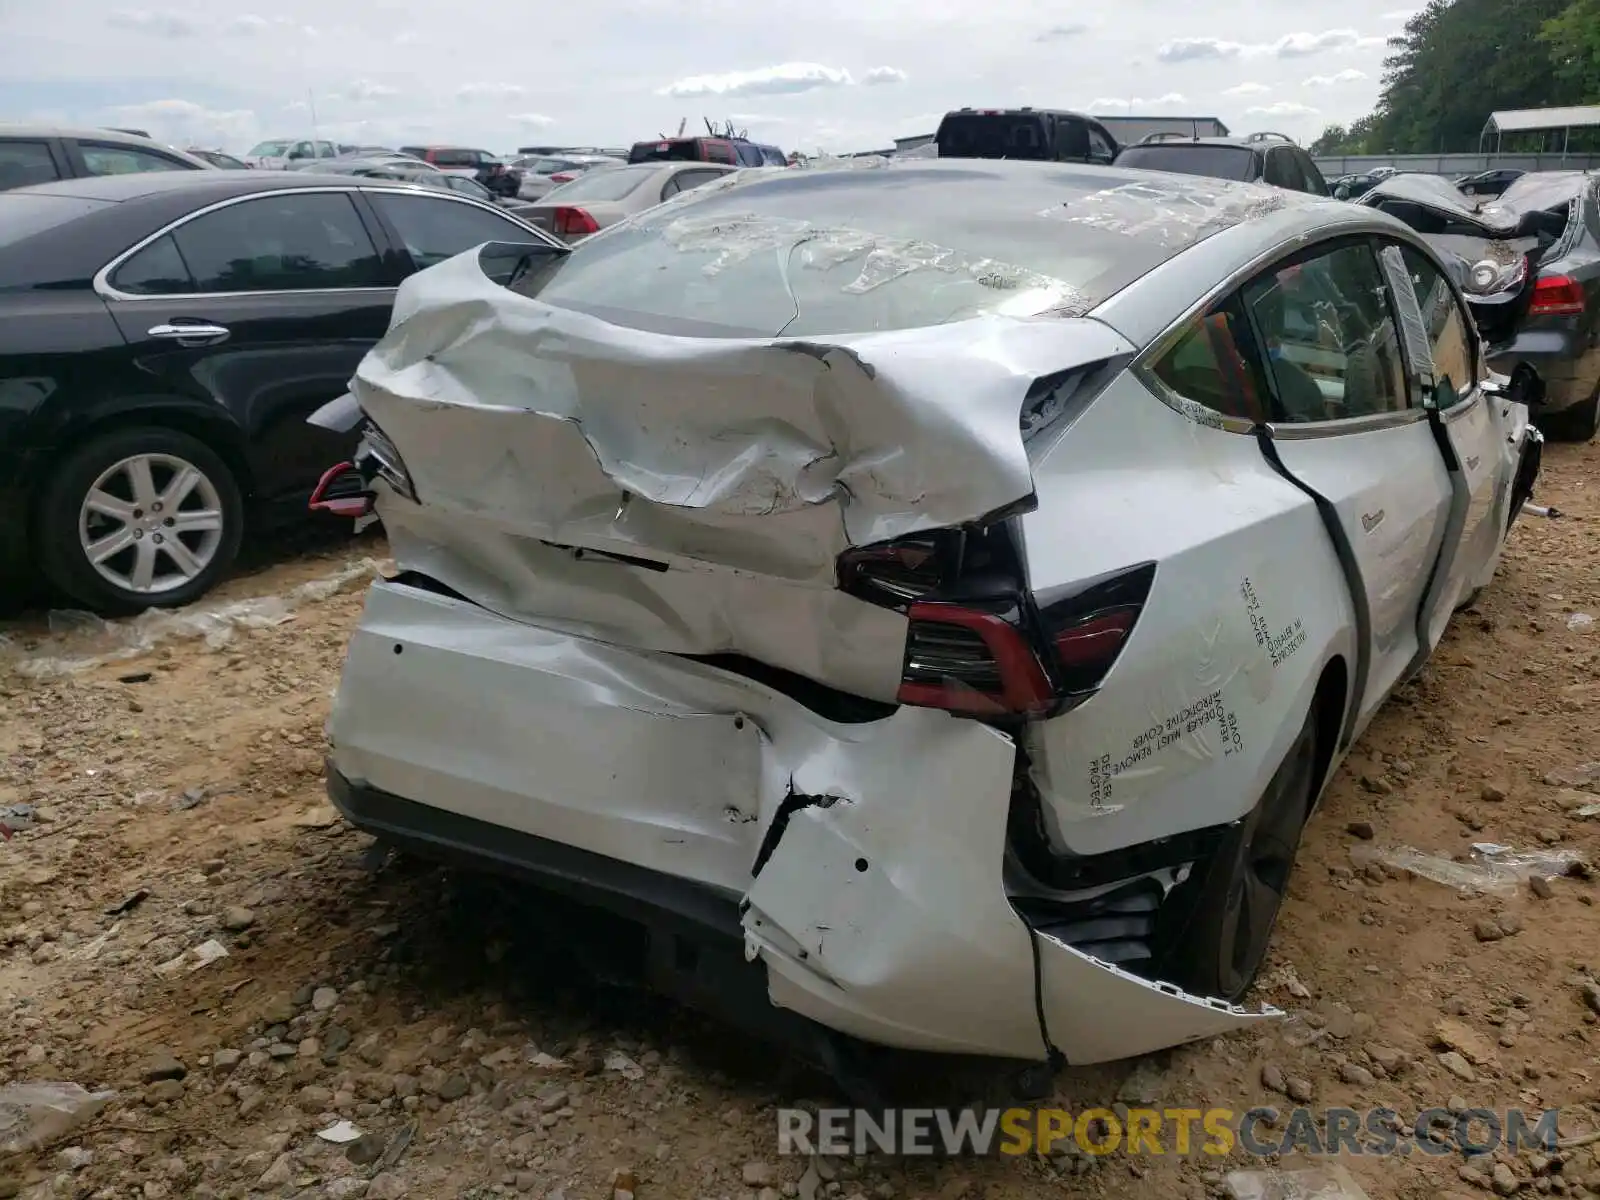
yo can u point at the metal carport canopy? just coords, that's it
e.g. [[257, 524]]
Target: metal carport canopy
[[1528, 120]]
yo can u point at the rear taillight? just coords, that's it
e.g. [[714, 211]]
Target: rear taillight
[[572, 222], [342, 492], [562, 177], [977, 642], [1557, 296], [969, 661]]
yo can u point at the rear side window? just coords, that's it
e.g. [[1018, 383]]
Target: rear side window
[[280, 243], [101, 159], [1209, 366], [434, 230], [601, 185], [157, 270], [23, 164], [979, 135], [720, 152], [1192, 158], [1280, 171], [748, 155]]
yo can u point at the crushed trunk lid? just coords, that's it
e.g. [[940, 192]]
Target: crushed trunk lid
[[687, 494]]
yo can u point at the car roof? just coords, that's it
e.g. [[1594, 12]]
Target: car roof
[[83, 132], [218, 185]]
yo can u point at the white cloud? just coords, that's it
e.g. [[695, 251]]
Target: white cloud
[[1198, 49], [1348, 75], [1246, 89], [1399, 15], [364, 91], [185, 123], [1282, 108], [613, 71], [471, 92], [1290, 45], [532, 120], [155, 23], [1139, 103], [882, 75], [784, 79]]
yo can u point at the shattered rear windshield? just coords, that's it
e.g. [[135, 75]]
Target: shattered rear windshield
[[1188, 158], [828, 252]]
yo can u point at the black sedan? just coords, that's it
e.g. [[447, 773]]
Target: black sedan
[[163, 338]]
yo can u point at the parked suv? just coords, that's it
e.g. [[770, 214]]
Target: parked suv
[[488, 169], [32, 154], [685, 149], [1041, 134], [1270, 158]]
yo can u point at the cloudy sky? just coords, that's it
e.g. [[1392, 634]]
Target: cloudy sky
[[837, 75]]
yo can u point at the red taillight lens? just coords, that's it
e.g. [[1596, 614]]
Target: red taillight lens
[[562, 177], [971, 662], [573, 221], [341, 492], [1095, 640], [1557, 296]]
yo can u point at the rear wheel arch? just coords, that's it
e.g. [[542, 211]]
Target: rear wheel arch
[[1329, 703]]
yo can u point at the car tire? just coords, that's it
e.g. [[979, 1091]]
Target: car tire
[[160, 509], [1580, 423], [1226, 910]]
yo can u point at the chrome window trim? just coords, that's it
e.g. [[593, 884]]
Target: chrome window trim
[[1143, 363], [1292, 431], [102, 278]]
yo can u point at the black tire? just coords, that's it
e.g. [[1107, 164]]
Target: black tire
[[60, 538], [1580, 423], [1207, 951]]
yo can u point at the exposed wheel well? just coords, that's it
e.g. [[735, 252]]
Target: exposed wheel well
[[1328, 708], [218, 436]]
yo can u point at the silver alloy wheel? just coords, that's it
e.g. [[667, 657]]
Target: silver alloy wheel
[[151, 523]]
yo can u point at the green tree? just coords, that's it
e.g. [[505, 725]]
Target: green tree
[[1460, 60], [1573, 38]]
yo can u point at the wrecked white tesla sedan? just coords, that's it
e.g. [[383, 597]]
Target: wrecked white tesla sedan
[[946, 587]]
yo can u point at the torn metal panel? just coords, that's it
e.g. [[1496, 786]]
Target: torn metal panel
[[741, 467], [1130, 1016], [1439, 195]]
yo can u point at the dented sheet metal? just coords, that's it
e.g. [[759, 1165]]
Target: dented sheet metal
[[543, 443], [870, 855], [1442, 197]]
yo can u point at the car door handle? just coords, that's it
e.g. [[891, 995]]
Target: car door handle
[[199, 333]]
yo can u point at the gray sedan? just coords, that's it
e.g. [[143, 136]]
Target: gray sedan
[[600, 198]]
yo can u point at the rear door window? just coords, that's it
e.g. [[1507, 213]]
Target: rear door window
[[1210, 365], [1332, 346], [434, 229], [281, 243], [23, 164], [102, 159], [694, 179], [157, 270]]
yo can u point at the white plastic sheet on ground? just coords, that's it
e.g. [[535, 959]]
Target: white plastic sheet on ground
[[80, 640], [1488, 868], [35, 1114]]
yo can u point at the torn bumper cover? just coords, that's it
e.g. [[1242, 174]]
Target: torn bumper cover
[[878, 909]]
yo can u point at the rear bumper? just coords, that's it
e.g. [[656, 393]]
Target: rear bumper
[[1556, 359], [859, 865]]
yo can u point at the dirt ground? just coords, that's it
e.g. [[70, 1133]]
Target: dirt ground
[[173, 801]]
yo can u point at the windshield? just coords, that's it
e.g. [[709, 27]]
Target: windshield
[[269, 150], [1192, 158], [996, 136], [829, 252], [601, 184]]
